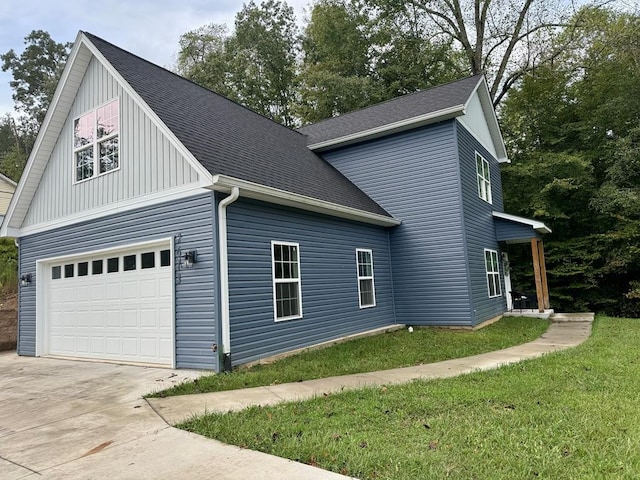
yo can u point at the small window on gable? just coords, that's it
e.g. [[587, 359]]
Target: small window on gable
[[287, 289], [493, 273], [366, 287], [95, 141], [484, 178]]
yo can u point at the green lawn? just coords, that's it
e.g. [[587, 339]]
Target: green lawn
[[380, 352], [574, 414]]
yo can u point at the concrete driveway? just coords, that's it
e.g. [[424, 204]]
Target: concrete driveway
[[63, 419]]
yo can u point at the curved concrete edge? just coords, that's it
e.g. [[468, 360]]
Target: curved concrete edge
[[559, 336]]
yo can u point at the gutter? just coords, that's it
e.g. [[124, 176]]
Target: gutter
[[224, 277], [223, 183]]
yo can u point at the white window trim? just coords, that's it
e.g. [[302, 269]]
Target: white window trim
[[484, 191], [487, 272], [275, 280], [94, 145], [373, 282]]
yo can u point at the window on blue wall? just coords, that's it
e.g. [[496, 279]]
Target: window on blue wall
[[484, 178], [287, 289], [366, 287], [493, 272]]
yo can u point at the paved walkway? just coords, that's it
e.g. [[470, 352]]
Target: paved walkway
[[568, 330]]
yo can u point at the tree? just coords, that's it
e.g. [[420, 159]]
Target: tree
[[255, 65], [336, 72], [572, 130], [503, 38], [203, 58], [35, 73], [263, 59]]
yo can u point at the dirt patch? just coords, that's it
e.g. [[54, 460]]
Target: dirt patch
[[8, 322]]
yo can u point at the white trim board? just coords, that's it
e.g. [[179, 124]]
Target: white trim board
[[535, 224]]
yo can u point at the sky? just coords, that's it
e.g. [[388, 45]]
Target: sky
[[148, 28]]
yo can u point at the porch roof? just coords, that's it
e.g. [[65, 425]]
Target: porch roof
[[513, 229]]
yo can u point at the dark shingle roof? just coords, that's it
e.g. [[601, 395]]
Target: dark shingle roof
[[229, 139], [394, 110]]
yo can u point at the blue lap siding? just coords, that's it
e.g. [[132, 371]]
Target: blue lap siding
[[195, 298], [328, 274], [415, 176], [479, 224]]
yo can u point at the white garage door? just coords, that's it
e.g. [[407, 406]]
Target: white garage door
[[113, 306]]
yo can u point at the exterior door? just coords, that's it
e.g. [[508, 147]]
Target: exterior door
[[507, 280]]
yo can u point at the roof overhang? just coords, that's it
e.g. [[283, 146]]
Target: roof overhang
[[534, 224], [395, 127], [223, 183]]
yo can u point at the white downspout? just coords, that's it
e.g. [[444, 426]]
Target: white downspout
[[224, 277]]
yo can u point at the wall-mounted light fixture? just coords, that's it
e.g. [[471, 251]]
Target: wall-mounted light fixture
[[25, 280], [190, 258]]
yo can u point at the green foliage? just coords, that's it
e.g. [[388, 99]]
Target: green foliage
[[8, 266], [203, 58], [572, 128], [256, 65], [336, 73], [401, 349], [571, 414], [35, 72]]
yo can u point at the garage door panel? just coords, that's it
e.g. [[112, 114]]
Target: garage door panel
[[130, 319], [83, 344], [117, 315]]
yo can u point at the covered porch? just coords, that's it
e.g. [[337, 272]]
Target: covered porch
[[511, 229]]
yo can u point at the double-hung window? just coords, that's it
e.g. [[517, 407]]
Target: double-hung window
[[493, 272], [95, 142], [366, 287], [287, 289], [484, 178]]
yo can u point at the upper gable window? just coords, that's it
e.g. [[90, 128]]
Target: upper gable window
[[484, 178], [95, 141]]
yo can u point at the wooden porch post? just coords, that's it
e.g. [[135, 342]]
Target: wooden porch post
[[543, 275], [536, 271]]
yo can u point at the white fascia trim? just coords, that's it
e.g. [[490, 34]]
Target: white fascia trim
[[184, 191], [256, 191], [537, 226], [414, 122], [490, 114], [203, 173], [41, 135]]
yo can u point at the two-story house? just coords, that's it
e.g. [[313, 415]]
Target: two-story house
[[161, 223]]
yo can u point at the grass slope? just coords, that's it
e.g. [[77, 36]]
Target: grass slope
[[380, 352], [573, 414]]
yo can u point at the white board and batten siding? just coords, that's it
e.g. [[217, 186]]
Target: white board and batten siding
[[149, 162]]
